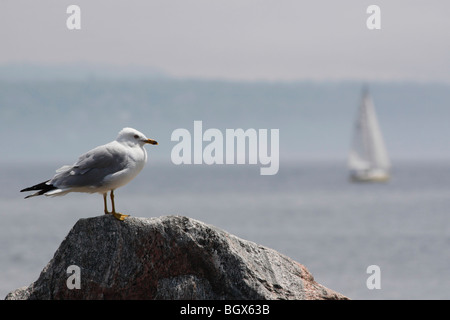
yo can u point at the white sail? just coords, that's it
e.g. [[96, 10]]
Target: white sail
[[368, 158]]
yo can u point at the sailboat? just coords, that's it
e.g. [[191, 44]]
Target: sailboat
[[368, 159]]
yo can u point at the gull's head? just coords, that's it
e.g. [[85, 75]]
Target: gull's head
[[133, 137]]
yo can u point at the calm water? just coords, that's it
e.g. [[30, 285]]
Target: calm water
[[308, 211]]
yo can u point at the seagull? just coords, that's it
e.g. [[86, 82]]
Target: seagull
[[102, 169]]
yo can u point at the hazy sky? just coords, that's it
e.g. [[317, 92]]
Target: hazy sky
[[237, 39]]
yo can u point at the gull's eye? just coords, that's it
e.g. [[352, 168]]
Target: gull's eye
[[136, 136]]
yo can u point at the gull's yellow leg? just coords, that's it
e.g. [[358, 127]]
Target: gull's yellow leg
[[105, 204], [116, 215]]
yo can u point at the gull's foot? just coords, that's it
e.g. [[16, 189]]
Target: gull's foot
[[119, 216]]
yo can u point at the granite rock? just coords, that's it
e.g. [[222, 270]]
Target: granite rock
[[170, 257]]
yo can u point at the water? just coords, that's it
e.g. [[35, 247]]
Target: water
[[308, 211]]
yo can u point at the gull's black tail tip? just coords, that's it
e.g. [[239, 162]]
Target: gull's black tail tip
[[41, 187]]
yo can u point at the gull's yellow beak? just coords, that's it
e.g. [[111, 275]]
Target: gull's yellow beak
[[151, 141]]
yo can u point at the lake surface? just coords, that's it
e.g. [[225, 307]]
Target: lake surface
[[308, 211]]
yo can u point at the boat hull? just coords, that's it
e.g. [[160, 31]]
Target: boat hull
[[368, 176]]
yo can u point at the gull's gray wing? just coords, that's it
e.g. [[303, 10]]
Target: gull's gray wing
[[91, 168]]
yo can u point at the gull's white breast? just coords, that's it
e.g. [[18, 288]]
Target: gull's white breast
[[137, 157]]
